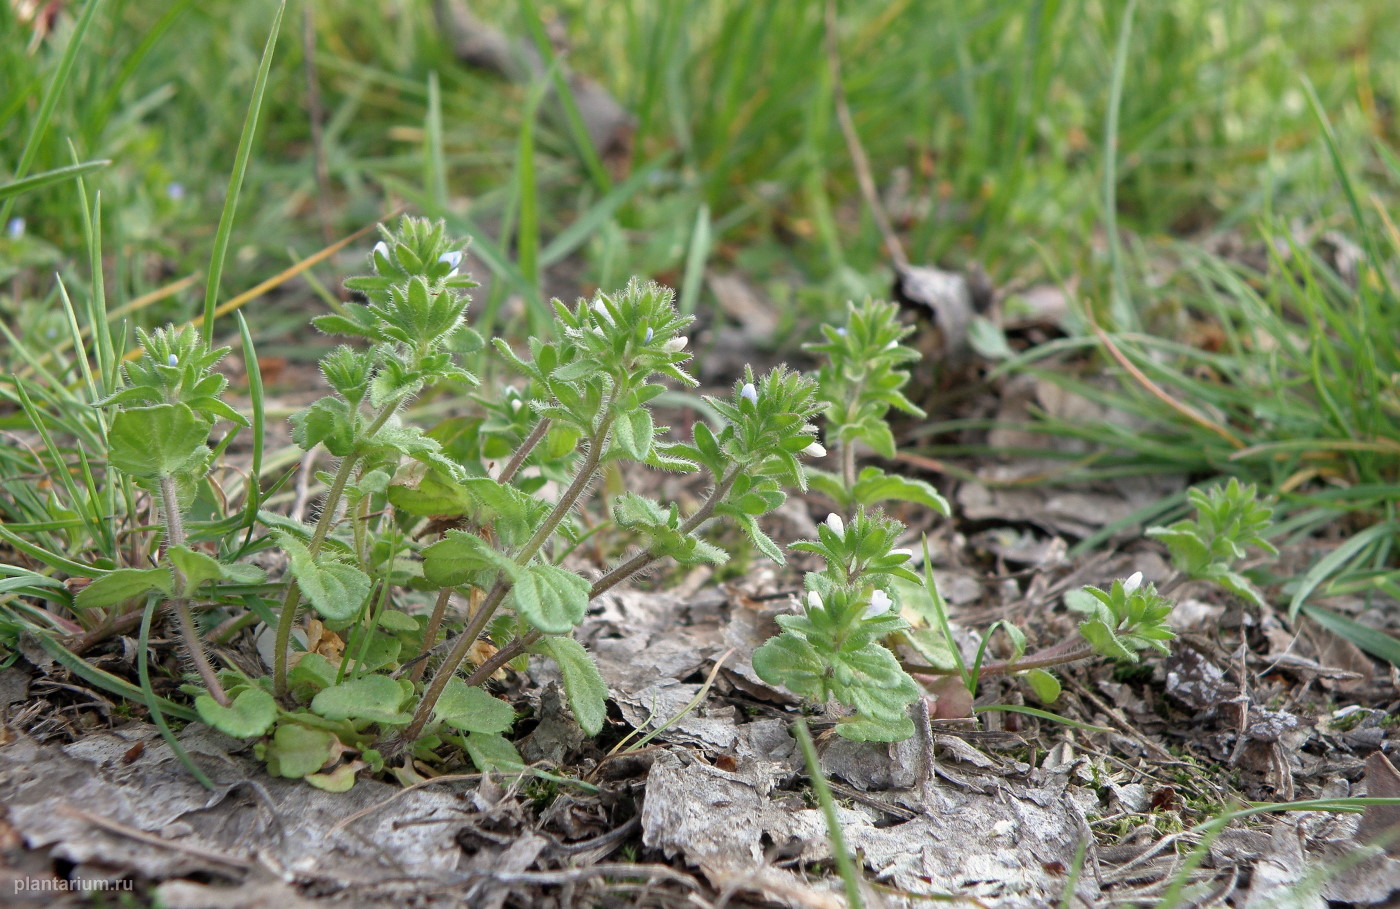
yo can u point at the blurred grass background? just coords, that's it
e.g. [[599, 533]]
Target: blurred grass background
[[1115, 146]]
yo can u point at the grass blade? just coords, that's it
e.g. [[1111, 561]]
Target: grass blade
[[1328, 564], [1376, 643], [50, 177], [46, 106], [235, 181], [844, 866]]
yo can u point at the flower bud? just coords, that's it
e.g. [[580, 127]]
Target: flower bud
[[382, 248], [814, 600], [1133, 583], [172, 360], [601, 309], [837, 525], [815, 450], [649, 335], [675, 345], [749, 392]]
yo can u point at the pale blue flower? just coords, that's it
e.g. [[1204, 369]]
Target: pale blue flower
[[453, 258], [880, 604], [15, 228]]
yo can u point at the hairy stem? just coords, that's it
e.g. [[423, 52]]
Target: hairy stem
[[644, 558], [430, 633], [607, 582], [286, 621], [180, 604], [518, 459], [465, 640]]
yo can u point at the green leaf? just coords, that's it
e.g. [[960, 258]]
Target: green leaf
[[296, 751], [1045, 685], [314, 671], [633, 433], [583, 684], [199, 567], [459, 556], [469, 709], [1101, 637], [250, 715], [550, 598], [492, 752], [336, 590], [861, 728], [329, 421], [874, 485], [377, 698], [164, 440], [761, 541], [123, 584], [341, 779]]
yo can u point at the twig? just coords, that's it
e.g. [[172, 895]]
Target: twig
[[143, 836], [447, 778], [1156, 391]]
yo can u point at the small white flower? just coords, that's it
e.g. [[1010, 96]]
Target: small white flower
[[892, 345], [15, 228], [453, 258], [675, 345], [516, 404], [1133, 583], [382, 248], [172, 360], [814, 600], [815, 450], [837, 525], [749, 392], [880, 604], [902, 552], [649, 335], [602, 310]]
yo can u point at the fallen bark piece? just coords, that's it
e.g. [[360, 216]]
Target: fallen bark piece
[[1004, 849]]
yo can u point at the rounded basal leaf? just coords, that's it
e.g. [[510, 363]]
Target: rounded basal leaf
[[296, 751], [160, 441], [469, 709], [341, 779], [377, 698], [251, 714], [861, 728]]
